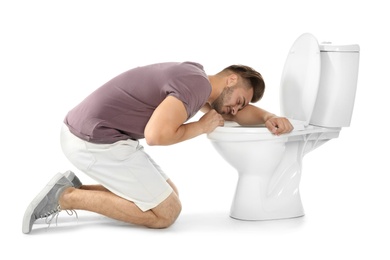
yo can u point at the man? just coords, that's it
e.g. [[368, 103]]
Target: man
[[100, 137]]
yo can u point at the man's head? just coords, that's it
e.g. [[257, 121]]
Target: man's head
[[243, 85]]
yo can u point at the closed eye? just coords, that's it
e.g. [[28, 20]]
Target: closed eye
[[243, 103]]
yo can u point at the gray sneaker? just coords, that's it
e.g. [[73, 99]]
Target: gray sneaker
[[73, 178], [45, 204]]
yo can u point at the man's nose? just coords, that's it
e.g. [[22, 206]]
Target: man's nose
[[234, 110]]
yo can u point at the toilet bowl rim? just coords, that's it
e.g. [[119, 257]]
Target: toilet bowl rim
[[260, 132]]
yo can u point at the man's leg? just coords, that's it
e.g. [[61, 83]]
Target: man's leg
[[130, 175], [113, 206]]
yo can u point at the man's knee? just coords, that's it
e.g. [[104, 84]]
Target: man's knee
[[167, 212], [167, 220]]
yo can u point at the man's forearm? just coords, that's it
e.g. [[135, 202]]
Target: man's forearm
[[250, 115]]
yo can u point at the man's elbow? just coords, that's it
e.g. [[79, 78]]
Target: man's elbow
[[153, 138]]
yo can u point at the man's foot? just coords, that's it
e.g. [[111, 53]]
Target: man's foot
[[73, 178], [46, 204]]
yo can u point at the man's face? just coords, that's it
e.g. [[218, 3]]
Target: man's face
[[232, 99]]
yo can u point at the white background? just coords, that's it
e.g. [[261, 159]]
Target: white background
[[54, 53]]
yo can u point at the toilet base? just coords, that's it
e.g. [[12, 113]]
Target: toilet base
[[240, 219], [264, 217], [254, 200]]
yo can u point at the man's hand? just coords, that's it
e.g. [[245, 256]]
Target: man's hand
[[211, 120], [279, 125]]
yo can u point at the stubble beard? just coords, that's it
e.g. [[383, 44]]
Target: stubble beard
[[218, 104]]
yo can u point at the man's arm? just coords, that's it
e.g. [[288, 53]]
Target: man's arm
[[167, 124], [252, 115]]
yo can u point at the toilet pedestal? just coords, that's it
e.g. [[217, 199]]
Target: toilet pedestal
[[251, 201], [271, 192], [269, 173]]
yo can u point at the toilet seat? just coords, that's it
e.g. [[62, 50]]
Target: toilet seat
[[232, 131]]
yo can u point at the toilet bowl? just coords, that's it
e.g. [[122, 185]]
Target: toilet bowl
[[317, 94]]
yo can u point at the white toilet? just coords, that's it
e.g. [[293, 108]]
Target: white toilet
[[317, 94]]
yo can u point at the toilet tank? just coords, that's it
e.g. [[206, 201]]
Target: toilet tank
[[337, 88]]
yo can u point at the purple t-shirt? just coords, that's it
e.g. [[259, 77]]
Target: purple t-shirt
[[121, 108]]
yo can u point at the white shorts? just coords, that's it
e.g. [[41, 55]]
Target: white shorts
[[122, 167]]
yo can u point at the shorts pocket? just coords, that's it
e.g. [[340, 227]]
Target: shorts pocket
[[122, 150]]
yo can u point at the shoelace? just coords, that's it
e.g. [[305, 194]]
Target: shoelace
[[53, 214]]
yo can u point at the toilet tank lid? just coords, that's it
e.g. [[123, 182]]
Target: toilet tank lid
[[329, 47]]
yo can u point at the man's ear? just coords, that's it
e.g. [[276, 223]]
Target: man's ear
[[232, 80]]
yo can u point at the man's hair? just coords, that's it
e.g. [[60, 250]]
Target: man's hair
[[251, 76]]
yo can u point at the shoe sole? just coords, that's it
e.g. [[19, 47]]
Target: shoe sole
[[35, 202], [73, 179]]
